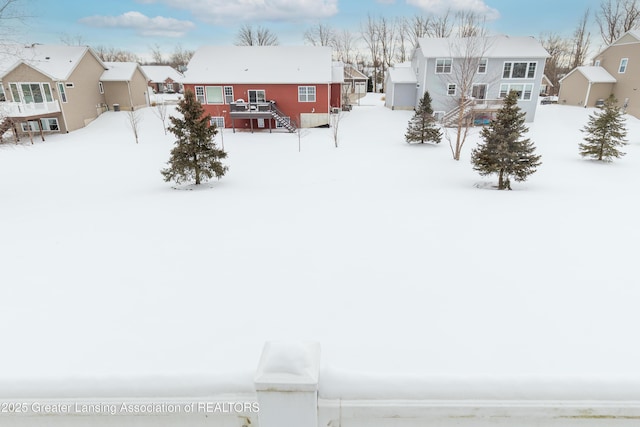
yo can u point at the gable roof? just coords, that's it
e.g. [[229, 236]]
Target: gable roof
[[260, 64], [54, 61], [160, 73], [493, 47], [120, 71], [593, 74]]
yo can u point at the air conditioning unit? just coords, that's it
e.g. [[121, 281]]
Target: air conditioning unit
[[335, 110]]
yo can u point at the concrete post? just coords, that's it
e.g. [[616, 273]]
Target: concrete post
[[287, 384]]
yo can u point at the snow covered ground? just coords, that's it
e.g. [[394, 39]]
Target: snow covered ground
[[397, 259]]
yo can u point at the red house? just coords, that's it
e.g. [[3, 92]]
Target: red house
[[265, 87]]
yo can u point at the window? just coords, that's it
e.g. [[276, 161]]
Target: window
[[63, 92], [439, 115], [46, 89], [482, 66], [100, 87], [524, 91], [228, 94], [519, 70], [214, 95], [479, 91], [49, 124], [623, 65], [443, 66], [306, 94], [256, 96], [451, 89], [14, 92], [200, 94], [3, 98], [218, 122]]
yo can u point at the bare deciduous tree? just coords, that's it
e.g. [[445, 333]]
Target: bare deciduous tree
[[581, 42], [470, 24], [180, 58], [616, 17], [418, 27], [387, 36], [440, 26], [260, 36], [10, 14], [320, 35], [160, 111], [344, 46], [558, 61], [403, 38], [134, 118], [156, 54], [111, 54], [335, 126], [371, 37]]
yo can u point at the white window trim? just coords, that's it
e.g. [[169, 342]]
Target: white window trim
[[207, 96], [201, 89], [626, 65], [62, 92], [524, 86], [455, 89], [486, 65], [224, 94], [215, 120], [307, 94], [526, 73], [444, 66], [264, 92]]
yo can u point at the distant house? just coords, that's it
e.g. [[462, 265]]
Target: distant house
[[50, 88], [503, 64], [265, 87], [546, 86], [585, 85], [355, 83], [615, 70], [125, 85], [163, 78], [59, 88]]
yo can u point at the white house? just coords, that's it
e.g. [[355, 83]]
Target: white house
[[487, 67]]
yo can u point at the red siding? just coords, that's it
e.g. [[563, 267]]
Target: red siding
[[284, 95]]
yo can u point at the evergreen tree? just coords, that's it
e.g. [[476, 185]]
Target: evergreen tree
[[195, 155], [422, 126], [504, 151], [606, 132]]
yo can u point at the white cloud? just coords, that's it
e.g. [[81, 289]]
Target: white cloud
[[142, 24], [439, 6], [226, 11]]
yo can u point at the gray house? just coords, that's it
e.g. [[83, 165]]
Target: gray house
[[473, 74]]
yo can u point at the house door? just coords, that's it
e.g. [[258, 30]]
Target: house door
[[479, 91], [256, 96]]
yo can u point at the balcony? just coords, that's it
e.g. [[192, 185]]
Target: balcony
[[252, 110], [24, 110]]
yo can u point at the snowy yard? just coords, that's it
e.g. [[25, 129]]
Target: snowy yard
[[396, 258]]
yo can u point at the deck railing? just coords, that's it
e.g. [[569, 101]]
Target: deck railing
[[21, 109]]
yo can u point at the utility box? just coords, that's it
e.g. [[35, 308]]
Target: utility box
[[116, 107]]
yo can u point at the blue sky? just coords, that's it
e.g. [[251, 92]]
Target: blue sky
[[136, 25]]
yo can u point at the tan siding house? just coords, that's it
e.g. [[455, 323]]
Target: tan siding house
[[125, 86], [585, 86], [621, 60], [50, 88]]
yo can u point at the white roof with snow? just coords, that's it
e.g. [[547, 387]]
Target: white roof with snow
[[402, 75], [160, 73], [260, 64], [493, 47], [55, 61], [593, 74], [119, 71]]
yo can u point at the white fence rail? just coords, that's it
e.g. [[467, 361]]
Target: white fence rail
[[287, 394], [19, 109]]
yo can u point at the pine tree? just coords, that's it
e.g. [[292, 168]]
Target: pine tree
[[195, 155], [606, 132], [422, 127], [504, 151]]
